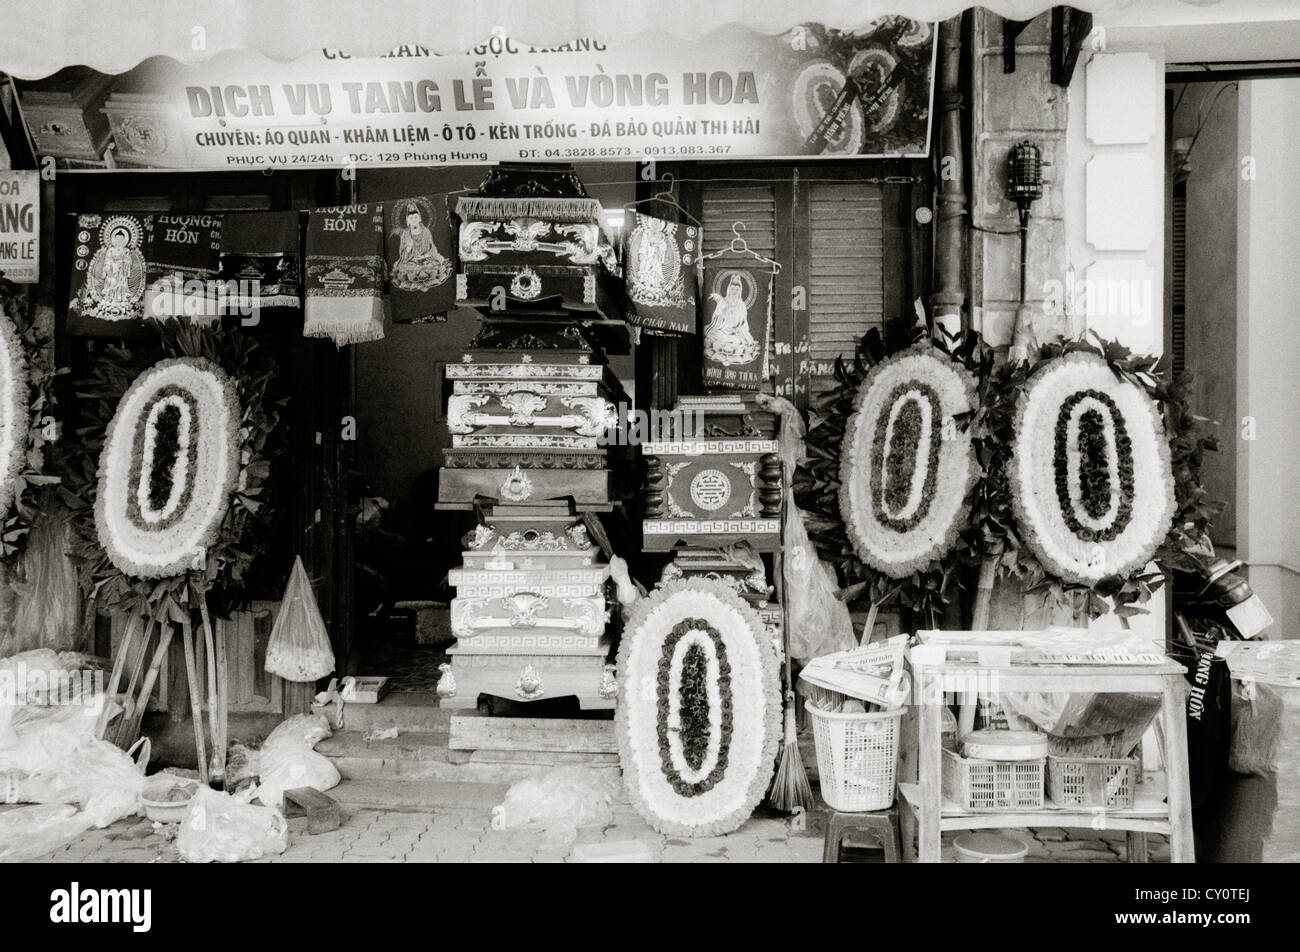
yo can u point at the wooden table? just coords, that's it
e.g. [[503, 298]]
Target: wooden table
[[1162, 803]]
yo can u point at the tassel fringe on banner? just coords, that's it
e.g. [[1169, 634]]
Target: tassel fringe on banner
[[337, 319], [488, 208]]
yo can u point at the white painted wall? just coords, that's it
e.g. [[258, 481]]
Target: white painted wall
[[1268, 346], [1127, 237]]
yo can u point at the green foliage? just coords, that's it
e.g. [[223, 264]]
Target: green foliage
[[30, 492], [817, 492], [994, 427], [991, 530], [244, 531]]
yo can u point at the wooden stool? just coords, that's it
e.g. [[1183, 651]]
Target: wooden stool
[[881, 826]]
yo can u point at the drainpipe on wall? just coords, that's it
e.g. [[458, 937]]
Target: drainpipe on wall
[[949, 236]]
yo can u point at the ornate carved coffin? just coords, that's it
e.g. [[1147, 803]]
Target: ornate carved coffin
[[585, 582], [543, 674], [527, 633], [563, 420], [707, 491], [145, 131], [535, 545], [532, 287], [530, 425], [533, 241], [64, 114]]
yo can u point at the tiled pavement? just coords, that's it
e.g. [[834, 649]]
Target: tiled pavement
[[465, 835]]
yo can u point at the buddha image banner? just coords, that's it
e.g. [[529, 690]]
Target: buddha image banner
[[811, 92]]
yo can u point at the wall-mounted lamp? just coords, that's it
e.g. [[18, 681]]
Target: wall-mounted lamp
[[1025, 186]]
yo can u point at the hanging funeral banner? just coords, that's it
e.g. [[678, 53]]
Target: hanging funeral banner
[[108, 268], [259, 261], [420, 250], [182, 267], [731, 94], [662, 272], [737, 323], [345, 274], [20, 226]]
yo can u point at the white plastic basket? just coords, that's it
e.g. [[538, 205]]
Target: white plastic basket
[[857, 758]]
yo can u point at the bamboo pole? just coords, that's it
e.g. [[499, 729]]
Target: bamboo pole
[[165, 631], [119, 663], [219, 685], [979, 622], [196, 702], [137, 669]]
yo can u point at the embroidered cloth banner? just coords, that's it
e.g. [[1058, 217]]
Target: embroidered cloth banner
[[345, 274], [108, 267], [260, 253], [737, 324], [182, 263], [662, 263], [420, 252]]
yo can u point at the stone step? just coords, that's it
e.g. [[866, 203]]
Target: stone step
[[414, 745], [423, 755], [418, 796], [410, 712]]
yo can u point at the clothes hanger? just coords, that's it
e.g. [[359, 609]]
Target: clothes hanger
[[739, 246], [666, 197]]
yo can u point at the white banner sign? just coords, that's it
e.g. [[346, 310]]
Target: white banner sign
[[20, 226]]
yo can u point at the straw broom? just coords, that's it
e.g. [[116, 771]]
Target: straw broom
[[790, 787]]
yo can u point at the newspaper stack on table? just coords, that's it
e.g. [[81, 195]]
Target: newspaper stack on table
[[872, 673]]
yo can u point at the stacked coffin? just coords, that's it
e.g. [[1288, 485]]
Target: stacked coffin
[[65, 114], [717, 480], [529, 613], [711, 494], [531, 409], [531, 240], [530, 413]]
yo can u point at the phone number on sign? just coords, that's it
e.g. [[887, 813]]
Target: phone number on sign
[[622, 151]]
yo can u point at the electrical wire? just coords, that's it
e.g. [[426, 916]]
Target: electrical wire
[[1203, 118], [673, 180]]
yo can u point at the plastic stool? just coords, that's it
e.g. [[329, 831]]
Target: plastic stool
[[881, 825]]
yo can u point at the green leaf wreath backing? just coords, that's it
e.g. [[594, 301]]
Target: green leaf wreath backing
[[999, 509], [243, 532], [27, 425], [823, 487]]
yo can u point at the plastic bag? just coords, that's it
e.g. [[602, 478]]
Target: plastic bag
[[287, 759], [299, 649], [30, 832], [1256, 728], [31, 737], [98, 776], [36, 677], [224, 829], [820, 623], [560, 801]]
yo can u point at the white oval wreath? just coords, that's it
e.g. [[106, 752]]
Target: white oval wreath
[[699, 708], [1091, 482], [906, 467], [13, 411], [168, 467]]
